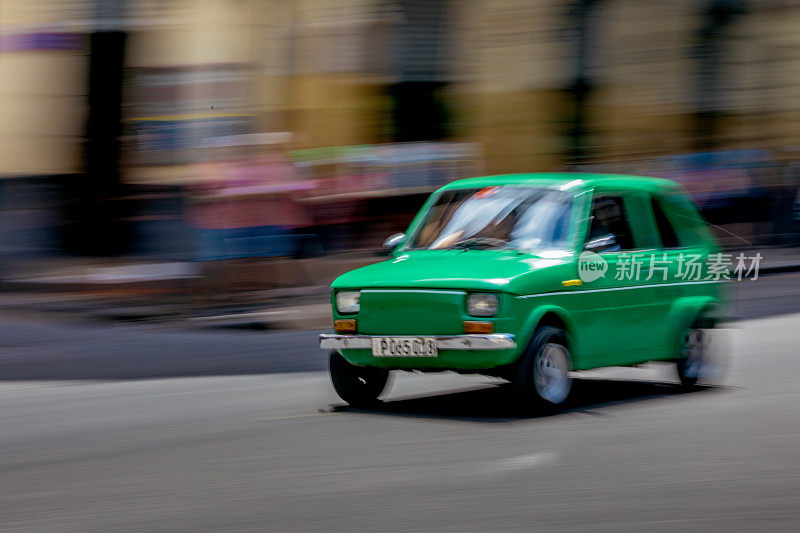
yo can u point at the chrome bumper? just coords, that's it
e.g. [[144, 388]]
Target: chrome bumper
[[494, 341]]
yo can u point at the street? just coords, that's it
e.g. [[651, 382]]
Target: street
[[110, 426]]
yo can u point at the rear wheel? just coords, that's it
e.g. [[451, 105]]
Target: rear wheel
[[359, 386], [542, 376], [694, 353]]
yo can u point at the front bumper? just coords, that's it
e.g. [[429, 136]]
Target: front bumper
[[494, 341]]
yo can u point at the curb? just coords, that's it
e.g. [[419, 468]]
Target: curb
[[778, 269], [301, 317]]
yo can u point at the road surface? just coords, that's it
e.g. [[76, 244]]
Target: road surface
[[117, 427]]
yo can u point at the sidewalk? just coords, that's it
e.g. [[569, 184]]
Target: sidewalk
[[284, 294], [776, 260]]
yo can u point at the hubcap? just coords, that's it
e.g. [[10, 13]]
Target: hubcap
[[694, 351], [551, 373]]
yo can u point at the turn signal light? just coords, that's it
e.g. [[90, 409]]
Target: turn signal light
[[475, 326], [344, 326]]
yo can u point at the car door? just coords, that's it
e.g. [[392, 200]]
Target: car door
[[616, 312], [671, 266]]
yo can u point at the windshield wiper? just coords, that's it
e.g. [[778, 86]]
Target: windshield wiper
[[474, 242]]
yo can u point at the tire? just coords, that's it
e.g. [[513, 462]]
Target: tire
[[693, 352], [541, 379], [359, 386]]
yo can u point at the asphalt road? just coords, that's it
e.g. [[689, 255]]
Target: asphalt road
[[111, 427]]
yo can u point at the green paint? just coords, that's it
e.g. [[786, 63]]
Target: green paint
[[609, 321]]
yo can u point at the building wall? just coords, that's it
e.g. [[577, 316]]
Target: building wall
[[321, 70], [644, 76], [338, 72], [43, 78], [508, 72]]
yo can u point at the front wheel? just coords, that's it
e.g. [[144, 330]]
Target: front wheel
[[359, 386], [542, 376]]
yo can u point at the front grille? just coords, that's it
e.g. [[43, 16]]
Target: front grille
[[411, 312]]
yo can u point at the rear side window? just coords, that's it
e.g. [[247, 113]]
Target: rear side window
[[686, 220], [669, 237]]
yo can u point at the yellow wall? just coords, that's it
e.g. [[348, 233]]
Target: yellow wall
[[508, 72], [313, 71], [42, 93]]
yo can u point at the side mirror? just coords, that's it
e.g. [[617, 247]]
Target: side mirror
[[393, 242], [600, 244]]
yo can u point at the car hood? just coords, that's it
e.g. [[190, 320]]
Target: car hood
[[451, 269]]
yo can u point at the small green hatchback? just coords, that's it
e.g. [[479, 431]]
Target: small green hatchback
[[530, 277]]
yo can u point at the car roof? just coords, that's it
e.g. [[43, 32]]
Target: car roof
[[569, 181]]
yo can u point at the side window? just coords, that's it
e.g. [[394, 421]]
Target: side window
[[691, 227], [669, 238], [609, 229]]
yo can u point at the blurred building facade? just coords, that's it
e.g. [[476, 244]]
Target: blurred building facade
[[531, 85]]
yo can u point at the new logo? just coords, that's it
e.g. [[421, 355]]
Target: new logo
[[591, 266]]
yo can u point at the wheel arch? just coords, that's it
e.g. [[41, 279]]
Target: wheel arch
[[684, 312], [552, 315]]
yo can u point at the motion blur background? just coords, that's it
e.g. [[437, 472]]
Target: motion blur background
[[214, 147], [177, 176]]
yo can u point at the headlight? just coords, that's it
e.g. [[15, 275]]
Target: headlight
[[347, 301], [481, 304]]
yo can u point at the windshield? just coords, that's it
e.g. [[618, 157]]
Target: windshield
[[505, 217]]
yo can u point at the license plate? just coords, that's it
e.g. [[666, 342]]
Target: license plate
[[404, 347]]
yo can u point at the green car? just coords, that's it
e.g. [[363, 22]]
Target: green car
[[530, 277]]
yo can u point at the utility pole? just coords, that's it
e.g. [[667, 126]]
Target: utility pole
[[96, 209], [580, 88], [717, 16]]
